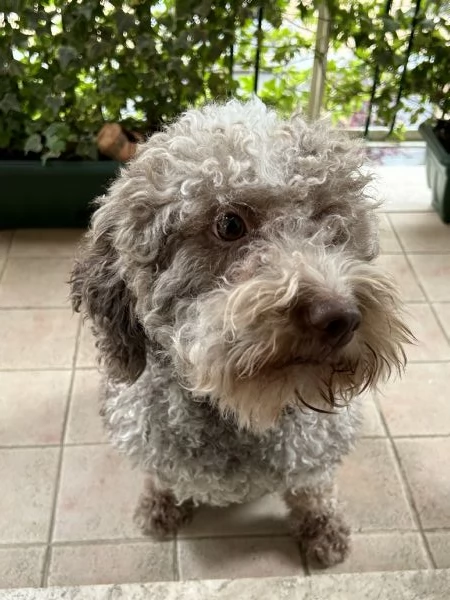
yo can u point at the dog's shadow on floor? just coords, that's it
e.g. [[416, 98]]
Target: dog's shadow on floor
[[248, 540], [267, 516]]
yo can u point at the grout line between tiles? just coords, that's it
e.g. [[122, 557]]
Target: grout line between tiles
[[48, 557], [46, 369], [36, 307], [407, 490], [429, 302], [176, 560], [211, 536], [421, 436], [7, 253], [429, 362], [95, 367], [41, 446], [418, 281], [416, 252], [305, 564], [188, 538], [377, 436], [24, 545], [61, 257], [51, 528]]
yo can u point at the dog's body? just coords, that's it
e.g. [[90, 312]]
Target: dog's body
[[228, 274], [192, 451]]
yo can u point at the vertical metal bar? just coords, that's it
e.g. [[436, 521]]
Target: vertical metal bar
[[231, 61], [320, 62], [405, 65], [376, 76], [259, 36]]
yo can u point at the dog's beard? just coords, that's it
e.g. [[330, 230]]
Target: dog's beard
[[238, 344]]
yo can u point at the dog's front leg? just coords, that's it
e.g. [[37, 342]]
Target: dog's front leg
[[318, 527], [158, 512]]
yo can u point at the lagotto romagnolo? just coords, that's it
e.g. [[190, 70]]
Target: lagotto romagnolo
[[228, 274]]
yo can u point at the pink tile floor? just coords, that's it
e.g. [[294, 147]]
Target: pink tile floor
[[67, 498]]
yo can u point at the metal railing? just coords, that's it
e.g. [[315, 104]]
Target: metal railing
[[319, 72]]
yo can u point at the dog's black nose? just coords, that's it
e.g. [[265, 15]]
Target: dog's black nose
[[335, 320]]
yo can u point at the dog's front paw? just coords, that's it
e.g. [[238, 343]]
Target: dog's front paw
[[325, 539], [159, 515]]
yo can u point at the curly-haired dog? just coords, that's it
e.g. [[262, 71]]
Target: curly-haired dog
[[228, 275]]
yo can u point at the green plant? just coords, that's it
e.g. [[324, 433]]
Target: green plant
[[366, 41], [66, 66], [408, 43]]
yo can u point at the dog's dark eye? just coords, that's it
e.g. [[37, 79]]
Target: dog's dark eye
[[230, 227]]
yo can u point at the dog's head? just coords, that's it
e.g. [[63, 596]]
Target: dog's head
[[239, 246]]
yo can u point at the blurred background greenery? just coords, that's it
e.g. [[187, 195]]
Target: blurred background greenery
[[69, 66]]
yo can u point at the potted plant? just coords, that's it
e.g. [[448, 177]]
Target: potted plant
[[67, 68], [437, 138]]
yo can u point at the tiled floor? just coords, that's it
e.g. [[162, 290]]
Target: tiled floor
[[67, 498]]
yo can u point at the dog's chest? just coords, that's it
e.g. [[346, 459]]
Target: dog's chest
[[195, 452]]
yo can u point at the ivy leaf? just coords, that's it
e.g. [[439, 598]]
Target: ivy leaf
[[87, 148], [57, 130], [124, 21], [390, 24], [85, 9], [14, 68], [33, 143], [9, 102], [55, 103], [66, 54], [55, 145]]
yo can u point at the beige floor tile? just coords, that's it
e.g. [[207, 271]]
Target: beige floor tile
[[112, 563], [370, 488], [21, 567], [439, 542], [397, 266], [45, 242], [422, 232], [32, 406], [87, 353], [425, 462], [388, 239], [2, 265], [433, 271], [28, 479], [431, 342], [35, 282], [84, 424], [418, 404], [402, 188], [383, 552], [443, 313], [265, 516], [98, 494], [37, 339], [237, 558], [371, 425]]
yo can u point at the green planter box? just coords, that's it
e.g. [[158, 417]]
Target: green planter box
[[438, 172], [59, 194]]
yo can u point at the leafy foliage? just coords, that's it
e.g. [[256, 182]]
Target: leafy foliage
[[378, 37], [364, 38], [67, 66]]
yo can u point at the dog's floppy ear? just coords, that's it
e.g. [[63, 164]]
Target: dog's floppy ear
[[98, 290]]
